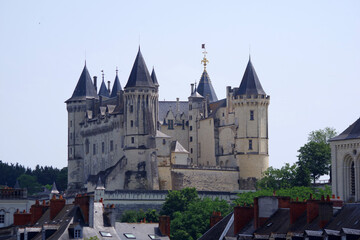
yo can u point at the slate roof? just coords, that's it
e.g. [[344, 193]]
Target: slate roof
[[84, 88], [205, 87], [218, 229], [352, 132], [139, 230], [165, 106], [250, 84], [116, 87], [139, 76], [348, 217], [103, 90], [277, 223], [154, 78]]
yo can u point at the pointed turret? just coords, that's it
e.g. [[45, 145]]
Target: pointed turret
[[84, 88], [54, 189], [250, 84], [154, 78], [116, 87], [139, 76], [100, 185], [205, 87], [104, 92]]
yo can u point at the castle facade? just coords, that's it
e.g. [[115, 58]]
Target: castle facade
[[128, 139]]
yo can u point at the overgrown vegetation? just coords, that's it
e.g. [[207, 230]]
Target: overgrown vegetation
[[33, 180]]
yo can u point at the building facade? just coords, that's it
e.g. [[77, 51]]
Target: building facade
[[129, 139], [345, 163]]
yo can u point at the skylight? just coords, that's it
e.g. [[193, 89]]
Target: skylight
[[129, 236], [105, 234], [152, 236]]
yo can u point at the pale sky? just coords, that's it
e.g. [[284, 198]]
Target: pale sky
[[306, 54]]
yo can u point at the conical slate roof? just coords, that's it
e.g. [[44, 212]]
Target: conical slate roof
[[250, 84], [84, 88], [205, 87], [154, 78], [139, 76], [100, 185], [54, 189], [116, 87], [103, 90], [352, 132]]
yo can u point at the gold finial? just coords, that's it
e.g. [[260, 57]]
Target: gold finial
[[204, 60]]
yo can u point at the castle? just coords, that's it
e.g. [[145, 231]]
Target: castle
[[128, 139]]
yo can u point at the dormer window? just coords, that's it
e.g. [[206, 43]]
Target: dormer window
[[170, 124], [250, 145], [131, 108]]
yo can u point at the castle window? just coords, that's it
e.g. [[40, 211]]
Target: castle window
[[352, 179], [111, 145], [70, 123], [190, 107], [131, 123], [94, 149], [164, 141], [251, 115], [87, 146], [223, 114], [190, 117], [183, 124], [190, 139], [191, 150], [131, 108], [102, 147], [250, 145], [190, 128], [170, 124], [132, 139]]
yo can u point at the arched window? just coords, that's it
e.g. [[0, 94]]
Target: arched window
[[352, 179]]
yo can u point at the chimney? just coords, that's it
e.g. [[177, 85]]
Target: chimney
[[22, 219], [296, 210], [192, 89], [264, 207], [177, 105], [109, 87], [95, 83], [337, 202], [37, 211], [215, 218], [284, 202], [164, 225], [312, 210], [325, 212], [86, 203], [56, 205], [242, 216], [110, 215]]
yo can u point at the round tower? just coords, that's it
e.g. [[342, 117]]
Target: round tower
[[250, 105], [76, 108]]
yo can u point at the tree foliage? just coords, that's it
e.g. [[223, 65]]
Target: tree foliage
[[190, 215], [301, 193], [42, 176], [133, 216], [273, 178], [315, 156], [322, 135]]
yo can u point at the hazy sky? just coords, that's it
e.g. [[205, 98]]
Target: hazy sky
[[306, 54]]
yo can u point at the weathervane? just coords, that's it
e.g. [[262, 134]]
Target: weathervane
[[204, 61]]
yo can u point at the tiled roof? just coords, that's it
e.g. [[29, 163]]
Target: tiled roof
[[352, 132], [277, 223], [348, 217], [139, 230], [165, 106], [103, 90], [154, 78], [116, 87]]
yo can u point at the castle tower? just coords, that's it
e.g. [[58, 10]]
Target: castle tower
[[250, 105], [103, 92], [116, 86], [140, 120], [76, 107]]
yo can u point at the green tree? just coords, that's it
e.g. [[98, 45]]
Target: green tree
[[315, 156], [322, 135], [273, 178], [178, 201], [29, 182]]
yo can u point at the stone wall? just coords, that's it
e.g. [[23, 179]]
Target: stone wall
[[226, 179]]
